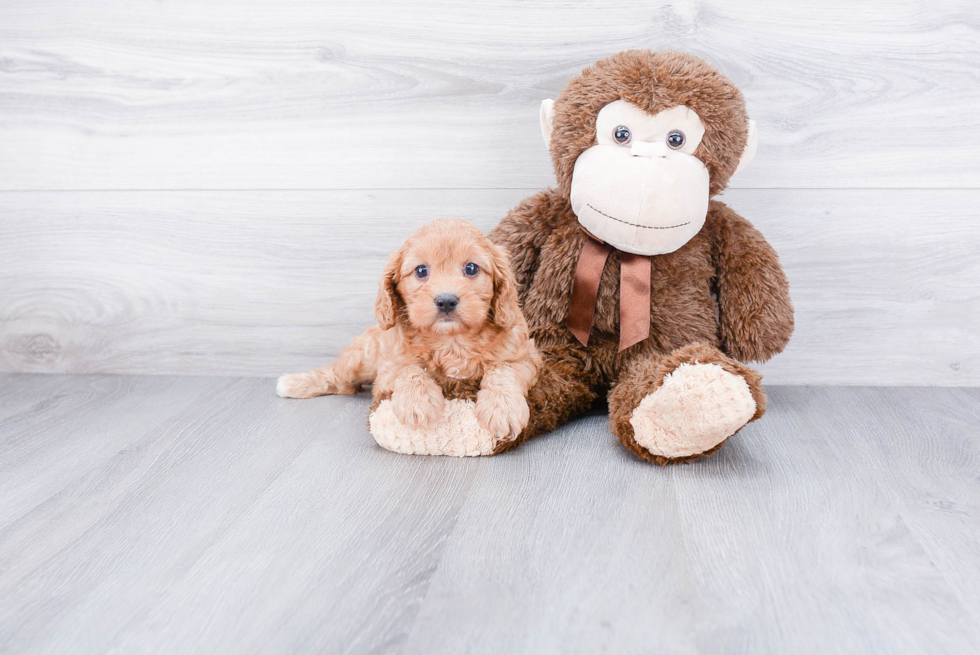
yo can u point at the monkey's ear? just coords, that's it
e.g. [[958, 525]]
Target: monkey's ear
[[547, 113], [387, 305], [751, 144]]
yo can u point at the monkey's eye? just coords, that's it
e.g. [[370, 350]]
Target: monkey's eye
[[421, 271], [676, 139], [471, 270], [622, 135]]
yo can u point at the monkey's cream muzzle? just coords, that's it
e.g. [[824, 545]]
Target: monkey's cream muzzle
[[646, 199], [646, 194]]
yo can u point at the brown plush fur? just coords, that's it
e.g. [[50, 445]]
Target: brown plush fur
[[419, 355], [752, 318]]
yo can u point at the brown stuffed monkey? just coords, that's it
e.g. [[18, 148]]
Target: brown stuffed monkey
[[635, 283]]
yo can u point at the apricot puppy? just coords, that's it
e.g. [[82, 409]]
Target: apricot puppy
[[447, 310]]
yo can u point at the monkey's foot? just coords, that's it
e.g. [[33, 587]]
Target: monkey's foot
[[693, 412], [456, 434]]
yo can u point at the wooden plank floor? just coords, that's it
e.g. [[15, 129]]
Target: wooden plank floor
[[206, 515]]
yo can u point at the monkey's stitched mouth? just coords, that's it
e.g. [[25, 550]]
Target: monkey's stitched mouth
[[645, 227]]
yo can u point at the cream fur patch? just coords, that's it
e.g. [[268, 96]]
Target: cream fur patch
[[697, 407], [458, 434]]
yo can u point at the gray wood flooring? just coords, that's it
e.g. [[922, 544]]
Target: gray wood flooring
[[206, 515]]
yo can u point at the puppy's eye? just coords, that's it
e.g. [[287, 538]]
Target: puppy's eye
[[676, 140], [421, 271], [471, 270], [622, 135]]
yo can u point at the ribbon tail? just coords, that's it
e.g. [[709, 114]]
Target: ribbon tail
[[634, 299], [585, 289]]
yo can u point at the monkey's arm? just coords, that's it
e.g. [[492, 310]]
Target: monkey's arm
[[522, 232], [753, 293]]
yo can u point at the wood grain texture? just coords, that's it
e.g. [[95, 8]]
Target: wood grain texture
[[213, 517], [258, 283], [378, 94]]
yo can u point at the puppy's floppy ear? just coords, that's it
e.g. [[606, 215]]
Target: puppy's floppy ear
[[388, 304], [505, 309]]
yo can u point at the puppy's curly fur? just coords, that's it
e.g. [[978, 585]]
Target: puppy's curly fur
[[425, 348]]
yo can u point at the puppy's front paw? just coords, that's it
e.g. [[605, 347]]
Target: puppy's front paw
[[418, 405], [502, 414], [297, 385]]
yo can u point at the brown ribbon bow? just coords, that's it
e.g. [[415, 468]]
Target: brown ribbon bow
[[634, 293]]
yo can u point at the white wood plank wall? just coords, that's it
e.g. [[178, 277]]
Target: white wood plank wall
[[212, 187]]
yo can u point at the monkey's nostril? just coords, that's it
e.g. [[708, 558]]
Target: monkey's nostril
[[446, 302]]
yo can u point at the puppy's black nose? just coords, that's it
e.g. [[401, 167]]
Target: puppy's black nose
[[447, 302]]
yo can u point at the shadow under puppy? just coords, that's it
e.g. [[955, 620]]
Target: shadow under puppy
[[449, 327]]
